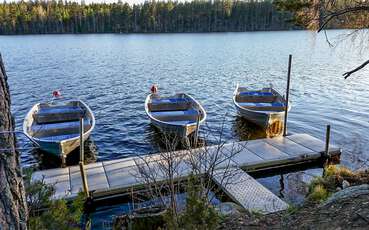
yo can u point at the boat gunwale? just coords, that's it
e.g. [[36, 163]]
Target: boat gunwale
[[268, 113], [201, 108], [32, 111]]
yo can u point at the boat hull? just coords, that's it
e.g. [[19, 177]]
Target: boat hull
[[50, 147], [174, 127], [60, 148], [175, 130], [260, 119]]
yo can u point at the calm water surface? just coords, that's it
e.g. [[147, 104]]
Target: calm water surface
[[113, 74]]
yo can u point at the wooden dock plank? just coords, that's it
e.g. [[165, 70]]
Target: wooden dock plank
[[292, 148], [246, 157], [265, 150], [249, 193], [96, 178], [115, 176], [59, 178], [312, 143], [122, 174], [219, 155]]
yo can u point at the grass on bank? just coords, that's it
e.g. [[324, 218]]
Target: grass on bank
[[334, 179]]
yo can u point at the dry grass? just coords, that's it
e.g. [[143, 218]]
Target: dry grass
[[332, 180]]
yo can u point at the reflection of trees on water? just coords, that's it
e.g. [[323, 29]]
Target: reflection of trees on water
[[245, 130], [47, 160]]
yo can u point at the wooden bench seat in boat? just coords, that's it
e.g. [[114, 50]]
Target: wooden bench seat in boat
[[60, 137], [58, 114], [56, 129], [169, 104], [256, 96], [176, 115], [256, 93], [263, 106], [185, 122]]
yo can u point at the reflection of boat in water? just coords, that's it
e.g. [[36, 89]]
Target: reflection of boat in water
[[265, 107], [163, 142], [55, 127], [174, 115], [246, 130]]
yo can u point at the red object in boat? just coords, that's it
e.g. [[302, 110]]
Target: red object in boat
[[154, 89], [56, 93]]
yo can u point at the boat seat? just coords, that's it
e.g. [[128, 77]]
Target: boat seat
[[255, 93], [58, 114], [178, 115], [168, 100], [186, 122], [169, 104], [256, 96], [60, 137], [61, 128], [262, 106]]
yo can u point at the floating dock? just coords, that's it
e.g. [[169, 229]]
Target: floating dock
[[119, 176]]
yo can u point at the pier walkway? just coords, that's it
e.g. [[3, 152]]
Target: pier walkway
[[247, 192], [118, 176]]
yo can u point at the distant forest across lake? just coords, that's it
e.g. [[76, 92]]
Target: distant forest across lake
[[43, 17]]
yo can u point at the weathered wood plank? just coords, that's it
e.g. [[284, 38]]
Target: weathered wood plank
[[312, 143], [121, 173], [291, 148], [96, 178], [246, 157], [115, 176], [59, 178], [248, 193], [265, 150]]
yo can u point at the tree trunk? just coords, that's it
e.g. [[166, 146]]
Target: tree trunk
[[13, 206]]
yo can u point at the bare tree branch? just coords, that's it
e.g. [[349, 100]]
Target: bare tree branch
[[337, 13], [347, 74]]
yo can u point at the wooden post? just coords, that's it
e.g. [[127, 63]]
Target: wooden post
[[81, 158], [196, 136], [327, 140], [81, 144], [287, 95]]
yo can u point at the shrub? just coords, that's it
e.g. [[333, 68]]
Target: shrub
[[333, 170], [319, 193], [199, 213], [45, 213]]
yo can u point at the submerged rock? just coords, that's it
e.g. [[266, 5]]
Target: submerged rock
[[345, 184], [229, 208]]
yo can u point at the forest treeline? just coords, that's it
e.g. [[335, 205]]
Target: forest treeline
[[41, 17]]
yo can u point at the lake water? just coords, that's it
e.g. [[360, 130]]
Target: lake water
[[113, 74]]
